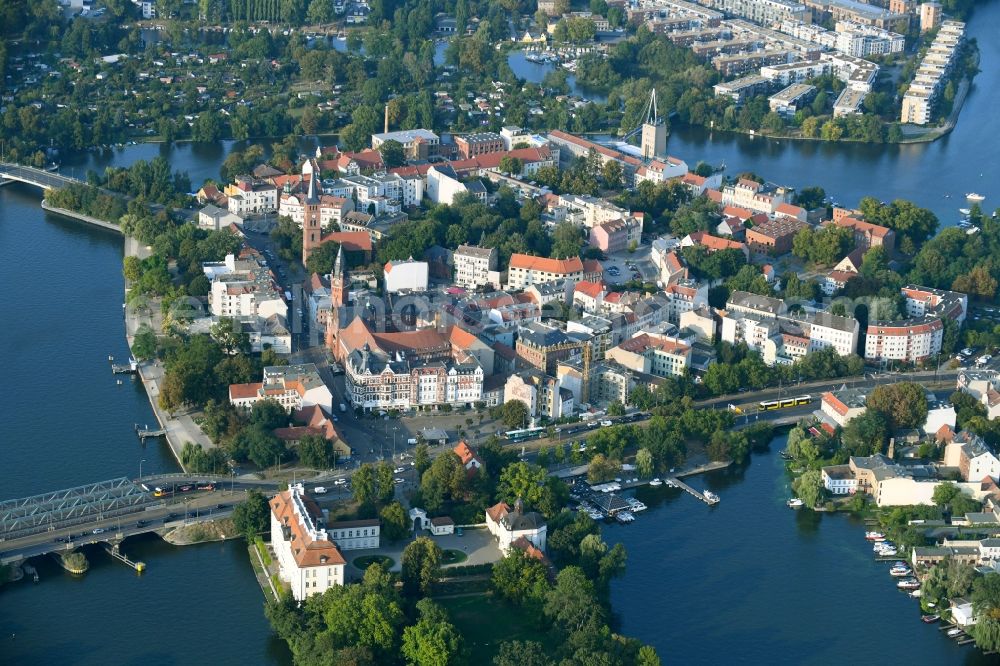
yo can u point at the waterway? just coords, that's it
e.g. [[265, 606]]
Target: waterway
[[747, 581], [752, 581]]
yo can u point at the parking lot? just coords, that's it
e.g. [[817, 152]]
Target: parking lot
[[621, 267]]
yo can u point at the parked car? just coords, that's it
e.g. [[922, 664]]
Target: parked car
[[320, 490]]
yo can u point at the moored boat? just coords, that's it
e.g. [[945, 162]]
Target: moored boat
[[900, 573], [953, 632], [711, 497], [973, 196], [795, 503], [930, 619], [965, 211], [656, 482], [874, 536], [908, 584]]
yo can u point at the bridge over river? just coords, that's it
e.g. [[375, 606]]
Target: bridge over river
[[37, 177], [111, 511]]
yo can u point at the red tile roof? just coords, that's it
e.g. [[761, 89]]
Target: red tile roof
[[542, 264], [306, 551]]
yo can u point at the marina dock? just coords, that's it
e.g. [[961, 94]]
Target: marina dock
[[677, 483], [147, 432]]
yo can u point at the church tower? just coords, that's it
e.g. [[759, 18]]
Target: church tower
[[312, 231], [338, 281]]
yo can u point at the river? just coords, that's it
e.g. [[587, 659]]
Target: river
[[746, 581]]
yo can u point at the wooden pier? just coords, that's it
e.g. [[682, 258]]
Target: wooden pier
[[114, 552], [677, 483]]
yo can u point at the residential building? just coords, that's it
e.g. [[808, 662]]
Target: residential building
[[542, 394], [418, 144], [408, 275], [701, 321], [480, 143], [525, 269], [508, 524], [470, 460], [843, 406], [294, 387], [714, 243], [355, 534], [984, 386], [764, 12], [972, 456], [868, 235], [743, 88], [308, 558], [929, 80], [213, 218], [754, 196], [910, 341], [930, 16], [542, 346], [839, 480], [249, 196], [652, 354], [774, 236], [243, 287], [476, 267], [921, 301], [443, 184], [617, 235], [789, 100]]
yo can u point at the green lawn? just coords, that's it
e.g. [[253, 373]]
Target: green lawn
[[484, 623], [367, 560], [451, 556]]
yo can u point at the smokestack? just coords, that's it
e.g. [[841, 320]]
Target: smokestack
[[386, 130]]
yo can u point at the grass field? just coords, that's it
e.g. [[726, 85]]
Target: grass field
[[451, 556], [484, 623], [367, 560]]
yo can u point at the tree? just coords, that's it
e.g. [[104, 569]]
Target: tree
[[644, 463], [433, 640], [864, 435], [385, 486], [392, 153], [444, 480], [419, 567], [316, 452], [268, 414], [522, 653], [395, 522], [511, 165], [252, 516], [601, 468], [514, 414], [831, 131], [319, 12], [616, 408], [904, 405], [364, 484], [230, 336], [521, 580], [810, 197], [571, 602], [647, 656], [262, 447], [421, 459], [809, 487], [945, 493], [144, 344], [613, 174], [566, 241], [810, 127], [322, 259]]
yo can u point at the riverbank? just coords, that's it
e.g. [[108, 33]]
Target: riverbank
[[180, 427], [215, 530], [80, 216]]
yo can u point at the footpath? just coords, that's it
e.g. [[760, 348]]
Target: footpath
[[80, 216], [180, 427]]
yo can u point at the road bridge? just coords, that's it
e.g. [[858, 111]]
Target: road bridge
[[37, 177]]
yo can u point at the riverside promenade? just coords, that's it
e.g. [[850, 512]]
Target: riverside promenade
[[180, 427]]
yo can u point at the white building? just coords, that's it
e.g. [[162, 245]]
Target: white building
[[443, 184], [355, 534], [508, 524], [249, 196], [408, 275], [839, 480], [243, 288], [525, 269], [476, 267], [308, 559], [292, 386], [214, 218]]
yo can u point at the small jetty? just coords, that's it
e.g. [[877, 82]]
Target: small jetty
[[707, 497], [146, 432], [114, 552]]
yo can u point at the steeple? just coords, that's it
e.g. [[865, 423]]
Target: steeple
[[338, 281], [338, 265], [312, 197]]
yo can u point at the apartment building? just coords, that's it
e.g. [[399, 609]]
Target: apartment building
[[541, 393], [480, 143], [929, 80], [765, 12], [293, 386], [542, 346], [418, 144], [243, 287], [524, 270], [617, 235], [789, 100], [250, 196], [754, 196], [774, 236], [308, 557], [476, 267], [910, 341], [652, 354]]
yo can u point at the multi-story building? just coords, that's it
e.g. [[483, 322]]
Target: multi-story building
[[509, 525], [868, 235], [408, 275], [476, 267], [542, 346], [765, 12], [418, 144], [754, 196], [774, 236], [525, 269], [331, 209], [294, 387], [929, 80], [930, 16], [405, 369], [243, 287], [842, 406], [910, 341], [587, 211], [542, 394], [789, 100], [249, 196], [971, 455], [480, 143], [984, 386], [652, 354], [308, 557], [743, 88], [921, 301], [617, 235]]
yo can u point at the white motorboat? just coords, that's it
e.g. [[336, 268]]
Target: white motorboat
[[974, 197], [795, 503], [874, 536], [711, 497], [965, 211], [656, 482]]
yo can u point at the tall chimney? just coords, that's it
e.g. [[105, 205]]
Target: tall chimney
[[386, 130]]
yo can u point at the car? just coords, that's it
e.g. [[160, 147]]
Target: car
[[340, 482], [399, 470], [398, 480], [320, 490], [605, 423], [140, 523], [458, 531], [98, 530]]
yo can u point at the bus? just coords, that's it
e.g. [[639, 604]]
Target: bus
[[783, 403], [524, 434]]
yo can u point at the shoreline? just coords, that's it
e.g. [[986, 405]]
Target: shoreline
[[81, 217]]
